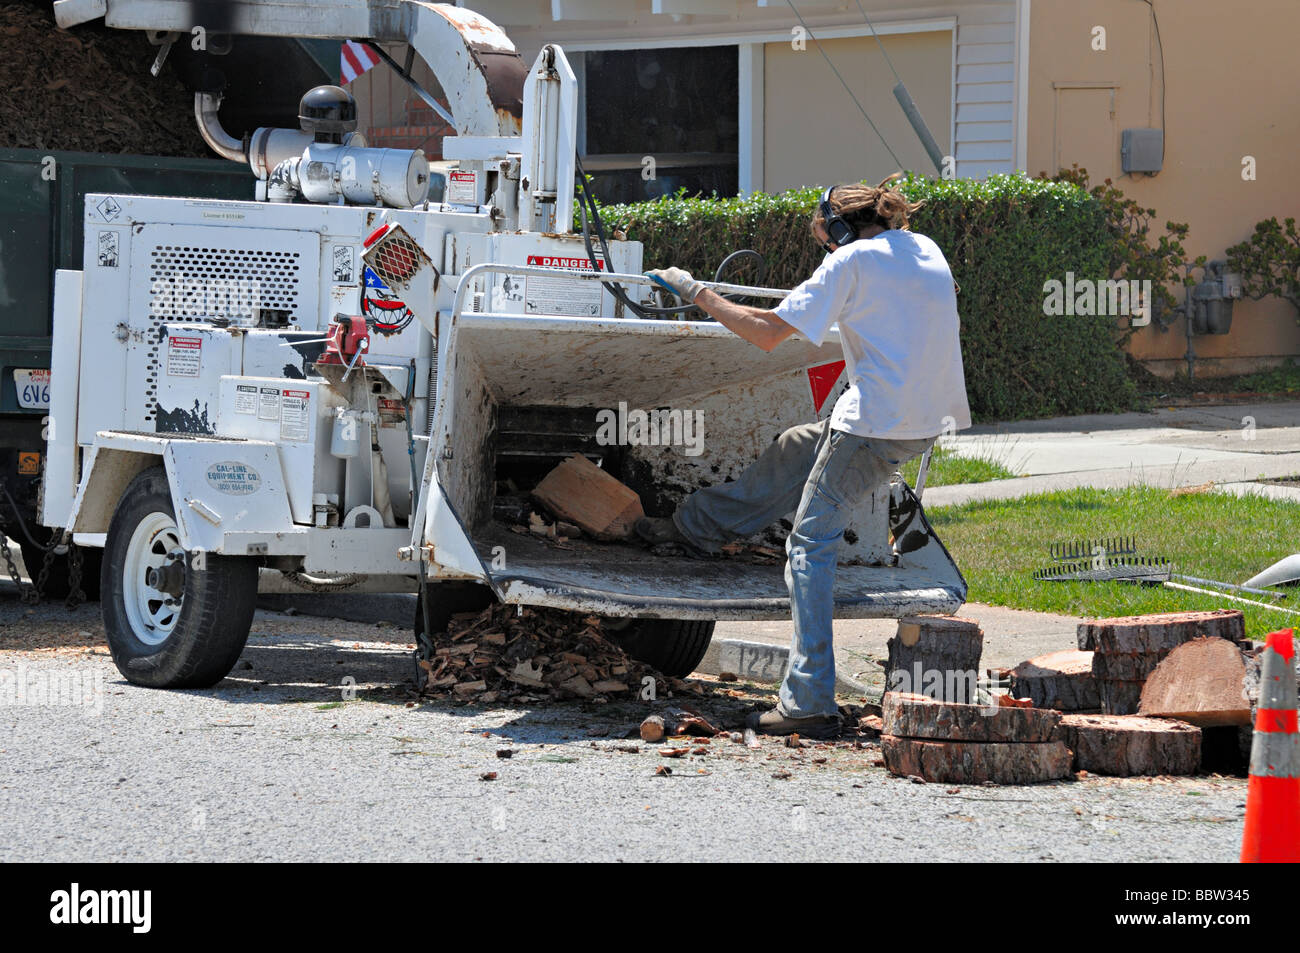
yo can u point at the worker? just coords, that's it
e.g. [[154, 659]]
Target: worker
[[892, 294]]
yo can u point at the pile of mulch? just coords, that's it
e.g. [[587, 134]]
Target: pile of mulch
[[88, 89], [502, 654]]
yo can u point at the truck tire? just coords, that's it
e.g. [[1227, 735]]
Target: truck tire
[[672, 646], [58, 583], [448, 598], [195, 644]]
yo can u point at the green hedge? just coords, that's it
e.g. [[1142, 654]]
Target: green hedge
[[1004, 238]]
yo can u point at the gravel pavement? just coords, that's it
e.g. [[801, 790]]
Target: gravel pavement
[[276, 763]]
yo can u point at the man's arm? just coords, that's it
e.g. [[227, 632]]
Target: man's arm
[[758, 326]]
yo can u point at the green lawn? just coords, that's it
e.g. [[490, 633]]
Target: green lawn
[[946, 469], [999, 544]]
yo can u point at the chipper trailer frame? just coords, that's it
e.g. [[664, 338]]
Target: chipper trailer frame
[[330, 383]]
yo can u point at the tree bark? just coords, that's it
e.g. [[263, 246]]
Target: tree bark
[[1127, 745], [1060, 680], [935, 656], [915, 716], [974, 762]]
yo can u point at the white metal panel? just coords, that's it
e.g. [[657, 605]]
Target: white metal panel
[[225, 486], [306, 461], [60, 481], [372, 550]]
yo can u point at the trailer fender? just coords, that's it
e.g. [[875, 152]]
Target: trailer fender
[[217, 486]]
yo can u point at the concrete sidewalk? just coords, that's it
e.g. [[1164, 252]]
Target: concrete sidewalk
[[1171, 447]]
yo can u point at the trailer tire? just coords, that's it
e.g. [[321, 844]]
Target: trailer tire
[[196, 646], [672, 646], [448, 598]]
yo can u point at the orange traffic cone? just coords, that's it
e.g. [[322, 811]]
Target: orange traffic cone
[[1272, 832]]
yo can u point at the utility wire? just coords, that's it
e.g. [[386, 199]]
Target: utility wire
[[1160, 45], [847, 89], [878, 43]]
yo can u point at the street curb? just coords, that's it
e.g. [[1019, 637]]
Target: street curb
[[759, 662]]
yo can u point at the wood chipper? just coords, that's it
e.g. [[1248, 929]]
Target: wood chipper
[[332, 382]]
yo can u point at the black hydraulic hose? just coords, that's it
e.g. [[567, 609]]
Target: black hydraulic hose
[[640, 310], [22, 524]]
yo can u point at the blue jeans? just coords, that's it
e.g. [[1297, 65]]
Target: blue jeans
[[822, 475]]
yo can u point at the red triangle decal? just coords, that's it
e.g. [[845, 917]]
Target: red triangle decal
[[821, 379]]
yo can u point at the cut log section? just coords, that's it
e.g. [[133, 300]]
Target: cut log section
[[1201, 682], [579, 492], [1127, 650], [975, 762], [1059, 680], [1161, 633], [935, 656], [1128, 745], [915, 716]]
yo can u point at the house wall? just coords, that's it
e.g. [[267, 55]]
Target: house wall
[[927, 41], [814, 134], [1231, 75]]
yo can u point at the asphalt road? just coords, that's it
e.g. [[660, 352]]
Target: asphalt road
[[277, 763]]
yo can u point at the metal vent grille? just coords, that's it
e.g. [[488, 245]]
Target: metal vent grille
[[191, 283], [396, 258], [200, 283]]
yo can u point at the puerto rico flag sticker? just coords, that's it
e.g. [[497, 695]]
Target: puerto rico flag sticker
[[389, 314]]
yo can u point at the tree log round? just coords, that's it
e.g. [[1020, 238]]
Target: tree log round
[[935, 656], [974, 762], [1128, 745], [915, 716]]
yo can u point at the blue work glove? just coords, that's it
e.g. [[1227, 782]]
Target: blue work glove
[[678, 281]]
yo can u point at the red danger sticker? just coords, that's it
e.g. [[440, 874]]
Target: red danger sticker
[[555, 261]]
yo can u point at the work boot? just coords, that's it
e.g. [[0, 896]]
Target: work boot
[[656, 529], [777, 722]]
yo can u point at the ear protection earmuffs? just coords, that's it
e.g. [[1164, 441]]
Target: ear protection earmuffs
[[837, 230]]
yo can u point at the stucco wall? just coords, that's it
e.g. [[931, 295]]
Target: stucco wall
[[1231, 78]]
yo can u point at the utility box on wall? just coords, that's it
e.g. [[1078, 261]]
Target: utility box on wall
[[1142, 150]]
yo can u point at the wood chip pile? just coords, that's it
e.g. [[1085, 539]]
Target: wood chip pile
[[499, 655], [88, 89]]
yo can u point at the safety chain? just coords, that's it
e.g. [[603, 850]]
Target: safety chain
[[25, 592], [75, 594], [31, 594]]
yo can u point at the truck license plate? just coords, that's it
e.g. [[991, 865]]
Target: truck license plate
[[32, 388]]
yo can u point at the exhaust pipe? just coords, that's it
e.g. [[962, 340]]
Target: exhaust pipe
[[218, 140]]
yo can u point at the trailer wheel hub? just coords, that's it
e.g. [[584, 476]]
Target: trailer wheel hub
[[153, 580]]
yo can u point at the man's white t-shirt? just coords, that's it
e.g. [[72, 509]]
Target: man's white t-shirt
[[894, 299]]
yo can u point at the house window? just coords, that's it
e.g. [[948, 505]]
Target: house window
[[661, 120]]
